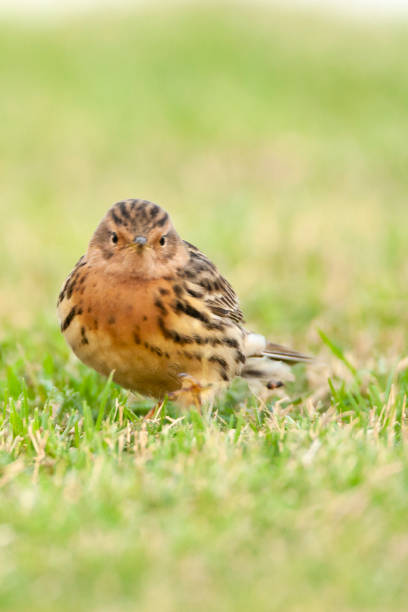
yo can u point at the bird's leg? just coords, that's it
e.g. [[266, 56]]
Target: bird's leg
[[154, 412], [189, 393]]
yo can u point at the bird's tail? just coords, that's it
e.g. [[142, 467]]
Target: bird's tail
[[267, 364], [287, 355]]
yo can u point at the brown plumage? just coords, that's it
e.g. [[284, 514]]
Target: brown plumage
[[151, 308]]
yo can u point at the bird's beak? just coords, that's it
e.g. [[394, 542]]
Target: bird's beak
[[140, 241]]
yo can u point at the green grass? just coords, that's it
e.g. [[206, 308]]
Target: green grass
[[278, 143]]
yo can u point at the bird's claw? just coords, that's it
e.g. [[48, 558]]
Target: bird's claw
[[189, 392]]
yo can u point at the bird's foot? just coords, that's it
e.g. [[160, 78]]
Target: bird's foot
[[274, 385], [190, 392]]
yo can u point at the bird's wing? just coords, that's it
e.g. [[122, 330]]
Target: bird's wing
[[204, 280]]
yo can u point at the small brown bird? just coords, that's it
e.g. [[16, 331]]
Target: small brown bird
[[151, 308]]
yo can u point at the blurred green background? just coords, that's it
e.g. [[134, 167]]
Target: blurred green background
[[277, 140]]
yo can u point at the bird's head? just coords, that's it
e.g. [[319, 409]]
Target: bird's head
[[137, 238]]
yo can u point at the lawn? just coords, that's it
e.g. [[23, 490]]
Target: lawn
[[278, 143]]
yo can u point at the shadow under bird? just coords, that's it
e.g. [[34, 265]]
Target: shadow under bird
[[150, 307]]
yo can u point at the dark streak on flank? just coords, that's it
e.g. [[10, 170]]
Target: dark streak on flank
[[68, 318], [219, 360], [84, 339], [240, 357], [224, 366], [178, 290], [188, 309], [163, 291], [171, 334], [212, 340], [230, 342], [217, 325], [194, 355], [136, 338], [111, 320], [159, 304], [156, 350]]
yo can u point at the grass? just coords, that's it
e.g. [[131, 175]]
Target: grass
[[278, 143]]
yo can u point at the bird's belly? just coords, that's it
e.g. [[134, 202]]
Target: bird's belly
[[137, 364], [133, 367]]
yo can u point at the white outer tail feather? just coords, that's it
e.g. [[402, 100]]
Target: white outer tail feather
[[255, 344]]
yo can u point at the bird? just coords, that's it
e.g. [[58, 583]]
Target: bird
[[151, 310]]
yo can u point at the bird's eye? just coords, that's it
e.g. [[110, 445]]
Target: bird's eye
[[114, 237], [162, 240]]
